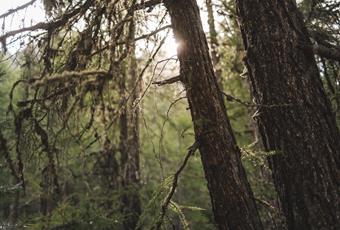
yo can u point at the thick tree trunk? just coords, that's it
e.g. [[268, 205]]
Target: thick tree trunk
[[294, 115], [232, 199]]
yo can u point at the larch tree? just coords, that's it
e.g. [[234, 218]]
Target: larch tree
[[294, 115], [231, 196]]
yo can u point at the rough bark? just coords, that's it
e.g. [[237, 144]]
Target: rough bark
[[232, 199], [294, 116]]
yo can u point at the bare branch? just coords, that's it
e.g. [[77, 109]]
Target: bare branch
[[11, 11], [168, 81], [68, 74], [327, 52], [152, 33], [147, 4], [144, 36], [52, 25]]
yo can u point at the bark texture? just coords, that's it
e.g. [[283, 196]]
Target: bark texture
[[232, 199], [294, 115]]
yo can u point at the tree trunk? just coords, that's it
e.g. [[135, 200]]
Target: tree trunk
[[214, 42], [294, 115], [130, 144], [232, 199]]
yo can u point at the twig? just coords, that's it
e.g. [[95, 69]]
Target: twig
[[266, 204]]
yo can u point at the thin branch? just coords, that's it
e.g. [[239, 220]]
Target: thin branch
[[144, 36], [152, 33], [168, 81], [247, 104], [52, 25], [265, 203], [59, 92], [147, 4], [11, 11], [232, 98], [66, 75], [191, 151], [329, 53]]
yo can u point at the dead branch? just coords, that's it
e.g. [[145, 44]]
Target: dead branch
[[152, 33], [50, 26], [144, 36], [67, 75], [168, 81], [147, 4], [327, 52], [11, 11]]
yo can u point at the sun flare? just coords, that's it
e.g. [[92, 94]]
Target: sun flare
[[170, 46]]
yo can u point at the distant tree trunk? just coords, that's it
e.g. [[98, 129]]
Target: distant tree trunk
[[49, 189], [130, 145], [232, 199], [294, 115], [12, 211], [213, 41], [332, 90]]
